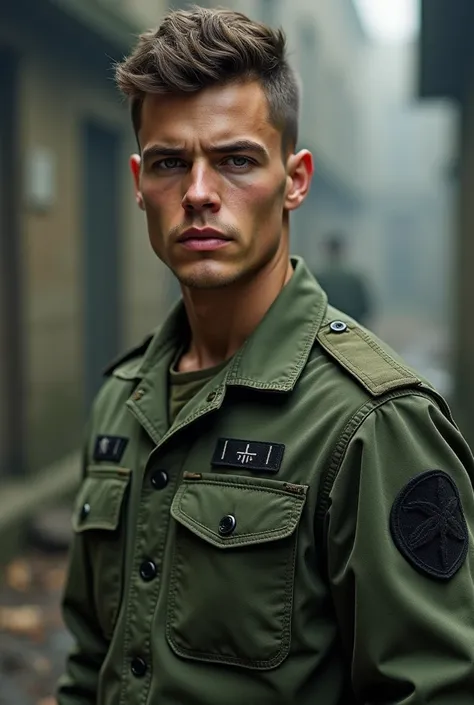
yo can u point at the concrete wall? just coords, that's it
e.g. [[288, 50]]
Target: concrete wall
[[409, 219], [150, 286], [55, 98]]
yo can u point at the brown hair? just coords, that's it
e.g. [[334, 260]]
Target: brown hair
[[197, 48]]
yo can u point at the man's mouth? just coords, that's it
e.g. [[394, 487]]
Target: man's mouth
[[203, 239]]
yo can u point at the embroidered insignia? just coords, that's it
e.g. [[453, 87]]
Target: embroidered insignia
[[250, 455], [428, 525], [110, 448]]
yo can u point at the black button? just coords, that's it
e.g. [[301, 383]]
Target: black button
[[227, 525], [159, 479], [138, 667], [148, 571], [211, 396], [85, 511]]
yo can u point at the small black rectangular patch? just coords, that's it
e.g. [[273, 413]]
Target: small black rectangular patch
[[110, 448], [251, 455]]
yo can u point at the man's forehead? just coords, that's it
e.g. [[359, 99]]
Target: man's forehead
[[219, 95], [223, 110]]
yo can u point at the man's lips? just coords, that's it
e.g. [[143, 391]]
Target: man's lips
[[203, 239], [202, 234]]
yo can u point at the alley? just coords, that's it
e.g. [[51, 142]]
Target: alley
[[33, 642]]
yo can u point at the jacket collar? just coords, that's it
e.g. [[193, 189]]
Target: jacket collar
[[275, 354]]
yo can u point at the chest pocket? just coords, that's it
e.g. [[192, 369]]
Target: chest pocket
[[231, 589], [98, 517]]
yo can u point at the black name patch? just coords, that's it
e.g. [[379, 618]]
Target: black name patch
[[251, 455], [110, 448]]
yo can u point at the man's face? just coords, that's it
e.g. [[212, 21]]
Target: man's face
[[215, 185]]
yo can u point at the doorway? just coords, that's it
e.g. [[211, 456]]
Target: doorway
[[12, 392], [102, 252]]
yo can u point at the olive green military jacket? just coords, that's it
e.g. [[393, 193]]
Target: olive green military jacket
[[301, 535]]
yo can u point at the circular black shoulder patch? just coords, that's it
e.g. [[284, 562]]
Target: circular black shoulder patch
[[428, 525]]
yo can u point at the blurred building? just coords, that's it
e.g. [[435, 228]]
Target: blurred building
[[77, 282], [404, 241], [325, 43], [446, 72]]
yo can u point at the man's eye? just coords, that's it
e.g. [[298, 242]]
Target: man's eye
[[168, 163], [239, 162]]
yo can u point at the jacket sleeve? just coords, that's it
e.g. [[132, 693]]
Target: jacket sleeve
[[78, 685], [401, 557]]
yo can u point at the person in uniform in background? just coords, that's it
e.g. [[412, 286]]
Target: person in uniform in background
[[345, 288], [274, 509]]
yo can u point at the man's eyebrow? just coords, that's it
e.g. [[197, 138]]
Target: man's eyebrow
[[159, 150], [238, 146]]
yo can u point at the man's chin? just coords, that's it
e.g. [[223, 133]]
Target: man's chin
[[207, 275]]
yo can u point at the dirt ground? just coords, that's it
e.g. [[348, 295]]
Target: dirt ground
[[33, 641]]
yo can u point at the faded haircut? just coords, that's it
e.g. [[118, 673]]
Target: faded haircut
[[198, 48]]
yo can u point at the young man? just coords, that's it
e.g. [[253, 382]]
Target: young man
[[274, 510]]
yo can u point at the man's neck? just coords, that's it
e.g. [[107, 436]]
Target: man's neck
[[221, 320]]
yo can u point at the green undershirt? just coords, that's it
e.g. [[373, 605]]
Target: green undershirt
[[183, 386]]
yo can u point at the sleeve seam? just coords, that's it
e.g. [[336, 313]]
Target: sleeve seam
[[340, 449]]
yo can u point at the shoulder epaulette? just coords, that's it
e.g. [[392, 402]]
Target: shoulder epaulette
[[359, 353], [131, 354]]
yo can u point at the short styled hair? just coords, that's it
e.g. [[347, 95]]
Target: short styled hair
[[198, 48]]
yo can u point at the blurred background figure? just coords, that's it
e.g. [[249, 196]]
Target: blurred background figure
[[347, 289]]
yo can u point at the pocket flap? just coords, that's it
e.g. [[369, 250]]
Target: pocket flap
[[100, 498], [235, 511]]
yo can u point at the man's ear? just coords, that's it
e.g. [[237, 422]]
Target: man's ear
[[135, 167], [300, 169]]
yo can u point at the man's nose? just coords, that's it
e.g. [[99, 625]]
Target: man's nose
[[201, 190]]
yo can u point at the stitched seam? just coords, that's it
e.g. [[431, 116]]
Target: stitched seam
[[404, 375], [101, 523], [162, 348], [111, 472], [157, 589], [201, 411], [152, 431], [294, 371], [241, 539], [296, 368], [232, 660], [350, 429], [388, 358], [243, 486], [347, 362], [108, 624], [247, 538], [255, 384], [135, 563]]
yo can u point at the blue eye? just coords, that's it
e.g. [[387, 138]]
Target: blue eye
[[239, 162], [168, 163]]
